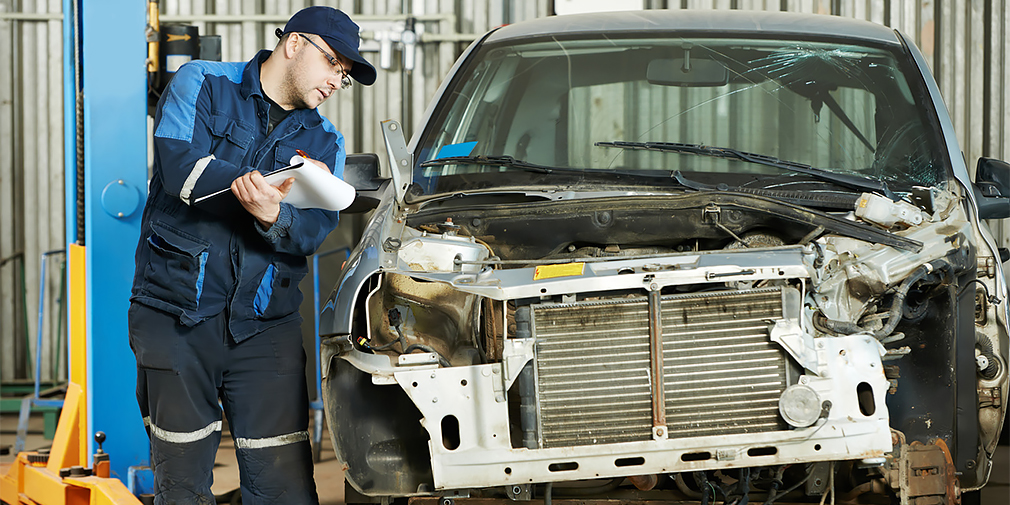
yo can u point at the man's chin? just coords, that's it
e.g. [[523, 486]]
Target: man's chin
[[307, 104]]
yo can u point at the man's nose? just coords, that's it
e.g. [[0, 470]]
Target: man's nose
[[333, 80]]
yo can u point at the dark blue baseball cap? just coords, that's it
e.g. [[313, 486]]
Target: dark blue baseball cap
[[337, 29]]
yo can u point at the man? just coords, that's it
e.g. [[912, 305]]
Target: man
[[215, 295]]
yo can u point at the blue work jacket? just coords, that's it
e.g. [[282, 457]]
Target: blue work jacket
[[195, 259]]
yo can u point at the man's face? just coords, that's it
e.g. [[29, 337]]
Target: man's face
[[315, 74]]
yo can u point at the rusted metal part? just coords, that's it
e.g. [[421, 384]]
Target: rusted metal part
[[656, 365], [433, 314], [871, 487], [923, 474], [990, 397], [494, 328], [644, 482]]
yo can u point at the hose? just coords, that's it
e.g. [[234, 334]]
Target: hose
[[702, 480], [527, 406], [842, 327], [744, 486], [893, 314], [682, 486], [875, 486], [898, 303], [771, 498]]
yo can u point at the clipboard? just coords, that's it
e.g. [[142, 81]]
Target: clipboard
[[314, 187]]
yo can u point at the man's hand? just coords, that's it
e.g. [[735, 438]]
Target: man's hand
[[259, 198]]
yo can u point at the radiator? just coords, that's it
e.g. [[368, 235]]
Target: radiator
[[722, 375]]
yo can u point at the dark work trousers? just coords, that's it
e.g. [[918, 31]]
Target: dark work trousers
[[183, 372]]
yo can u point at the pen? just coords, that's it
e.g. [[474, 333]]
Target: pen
[[302, 153]]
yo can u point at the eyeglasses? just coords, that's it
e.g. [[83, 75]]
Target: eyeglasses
[[345, 81]]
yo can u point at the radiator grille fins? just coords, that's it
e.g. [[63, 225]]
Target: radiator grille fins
[[721, 373], [593, 373]]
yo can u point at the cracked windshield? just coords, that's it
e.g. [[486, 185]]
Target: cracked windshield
[[690, 112]]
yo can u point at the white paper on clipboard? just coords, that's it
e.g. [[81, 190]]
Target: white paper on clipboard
[[314, 188]]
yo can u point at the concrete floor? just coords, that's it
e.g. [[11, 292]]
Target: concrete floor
[[329, 475]]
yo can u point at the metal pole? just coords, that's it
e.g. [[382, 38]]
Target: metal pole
[[656, 363], [317, 404], [42, 302], [315, 317]]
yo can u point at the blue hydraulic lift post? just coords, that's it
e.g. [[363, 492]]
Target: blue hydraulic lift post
[[113, 46], [69, 127]]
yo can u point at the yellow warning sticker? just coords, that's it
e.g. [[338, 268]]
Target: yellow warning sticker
[[563, 270]]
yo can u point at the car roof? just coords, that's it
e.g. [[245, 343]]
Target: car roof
[[736, 22]]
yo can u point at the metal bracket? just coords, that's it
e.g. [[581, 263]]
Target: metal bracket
[[519, 492], [796, 342], [818, 482], [399, 157], [990, 397], [498, 383], [711, 214]]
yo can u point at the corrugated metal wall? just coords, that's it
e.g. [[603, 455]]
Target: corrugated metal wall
[[967, 43], [31, 182], [445, 28]]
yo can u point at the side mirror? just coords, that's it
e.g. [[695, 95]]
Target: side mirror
[[362, 172], [992, 188]]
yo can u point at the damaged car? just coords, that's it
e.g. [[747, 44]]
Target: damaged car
[[701, 256]]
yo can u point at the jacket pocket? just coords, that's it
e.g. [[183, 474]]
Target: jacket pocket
[[286, 150], [278, 294], [175, 272], [232, 138]]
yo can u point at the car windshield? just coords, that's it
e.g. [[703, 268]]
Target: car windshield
[[601, 103]]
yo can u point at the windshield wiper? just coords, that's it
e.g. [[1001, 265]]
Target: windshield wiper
[[509, 161], [494, 161], [850, 181]]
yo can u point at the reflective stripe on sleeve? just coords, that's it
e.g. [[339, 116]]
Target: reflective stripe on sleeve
[[177, 437], [261, 443], [198, 168]]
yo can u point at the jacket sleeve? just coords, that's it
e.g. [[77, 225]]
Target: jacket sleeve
[[302, 231], [183, 142]]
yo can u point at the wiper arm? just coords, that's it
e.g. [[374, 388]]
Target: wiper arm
[[509, 161], [849, 181], [494, 161]]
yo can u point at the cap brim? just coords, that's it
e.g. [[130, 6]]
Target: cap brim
[[362, 71]]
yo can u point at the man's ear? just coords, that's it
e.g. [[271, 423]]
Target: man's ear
[[291, 45]]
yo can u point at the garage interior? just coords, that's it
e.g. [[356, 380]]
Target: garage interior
[[72, 171]]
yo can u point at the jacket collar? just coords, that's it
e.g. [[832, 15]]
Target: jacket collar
[[251, 86]]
